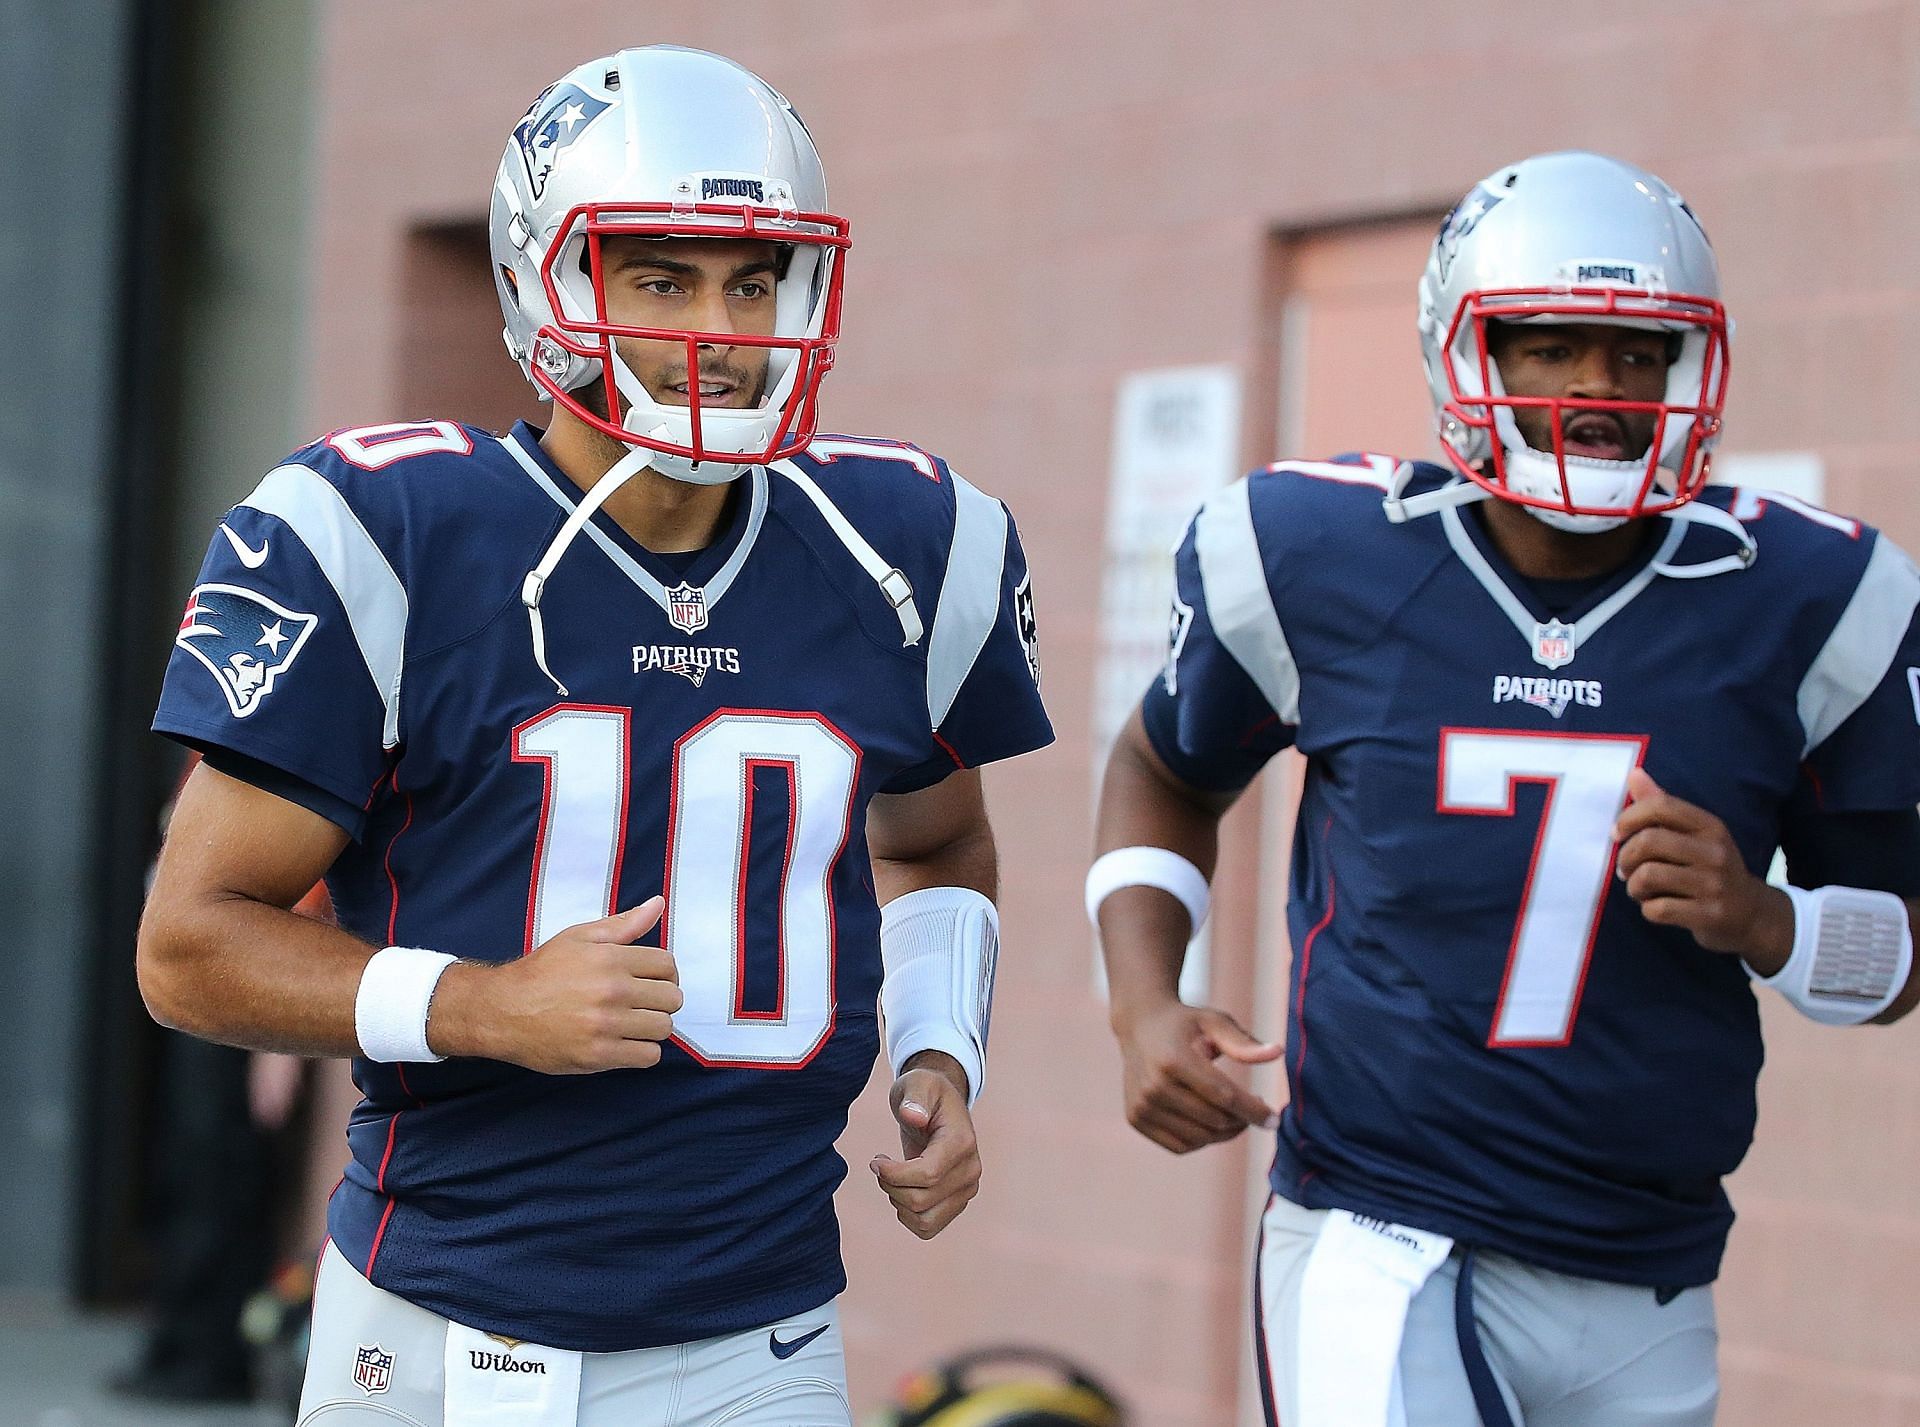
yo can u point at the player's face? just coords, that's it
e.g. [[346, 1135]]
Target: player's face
[[716, 285], [1591, 361]]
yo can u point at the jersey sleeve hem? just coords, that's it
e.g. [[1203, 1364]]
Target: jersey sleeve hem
[[1194, 772], [205, 737], [979, 755], [283, 785]]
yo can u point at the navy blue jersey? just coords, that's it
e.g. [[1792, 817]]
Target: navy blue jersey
[[1486, 1038], [358, 626]]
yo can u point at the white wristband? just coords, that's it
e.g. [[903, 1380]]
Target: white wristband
[[939, 947], [390, 1012], [1147, 867], [1852, 953]]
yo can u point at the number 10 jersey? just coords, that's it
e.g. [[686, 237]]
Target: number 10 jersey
[[358, 642]]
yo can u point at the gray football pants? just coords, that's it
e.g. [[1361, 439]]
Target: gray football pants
[[734, 1381], [1564, 1351]]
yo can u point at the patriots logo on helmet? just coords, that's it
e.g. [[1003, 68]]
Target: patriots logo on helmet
[[245, 640], [558, 117], [1464, 218]]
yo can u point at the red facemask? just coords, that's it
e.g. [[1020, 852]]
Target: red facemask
[[786, 422], [1686, 421]]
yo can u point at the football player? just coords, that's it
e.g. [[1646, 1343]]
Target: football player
[[1560, 702], [640, 757]]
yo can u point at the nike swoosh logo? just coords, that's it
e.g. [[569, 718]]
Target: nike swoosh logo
[[253, 559], [788, 1349]]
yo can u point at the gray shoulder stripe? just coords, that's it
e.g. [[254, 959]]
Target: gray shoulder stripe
[[369, 591], [1234, 579], [969, 595], [1861, 648]]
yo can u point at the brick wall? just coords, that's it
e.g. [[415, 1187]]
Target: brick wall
[[1047, 196]]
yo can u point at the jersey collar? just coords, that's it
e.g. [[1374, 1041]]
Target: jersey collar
[[713, 571], [1553, 641]]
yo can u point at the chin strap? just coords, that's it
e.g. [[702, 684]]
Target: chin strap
[[1461, 491], [1402, 508], [894, 585], [1693, 513], [617, 475]]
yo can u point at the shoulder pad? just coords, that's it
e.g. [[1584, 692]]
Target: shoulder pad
[[880, 481], [859, 453], [1789, 516], [1353, 468], [900, 498], [395, 448], [370, 502]]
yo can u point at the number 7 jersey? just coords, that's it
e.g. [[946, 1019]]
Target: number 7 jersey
[[357, 642], [1485, 1036]]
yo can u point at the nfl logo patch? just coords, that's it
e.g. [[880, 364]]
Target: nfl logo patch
[[687, 608], [1553, 644], [372, 1369]]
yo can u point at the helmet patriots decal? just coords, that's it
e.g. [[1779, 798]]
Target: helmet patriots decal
[[1462, 220], [558, 117], [245, 640]]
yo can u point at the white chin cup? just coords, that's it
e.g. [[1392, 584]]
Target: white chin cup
[[697, 473], [1590, 482], [734, 431]]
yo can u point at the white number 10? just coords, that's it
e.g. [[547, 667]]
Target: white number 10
[[1586, 778], [576, 867]]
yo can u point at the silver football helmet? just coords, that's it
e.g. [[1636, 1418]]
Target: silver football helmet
[[1574, 238], [665, 142]]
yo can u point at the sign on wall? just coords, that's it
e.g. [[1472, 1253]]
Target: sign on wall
[[1176, 439], [1794, 473]]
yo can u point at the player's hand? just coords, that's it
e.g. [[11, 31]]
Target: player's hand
[[940, 1168], [1680, 864], [1175, 1095], [585, 999]]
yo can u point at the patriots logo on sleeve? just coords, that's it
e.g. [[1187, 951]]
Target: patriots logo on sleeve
[[557, 118], [1180, 623], [245, 640], [1029, 626]]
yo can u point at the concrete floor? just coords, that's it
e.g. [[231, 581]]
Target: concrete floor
[[54, 1362]]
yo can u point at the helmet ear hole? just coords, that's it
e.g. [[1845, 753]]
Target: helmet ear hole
[[510, 285]]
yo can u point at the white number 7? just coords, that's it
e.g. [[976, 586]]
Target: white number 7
[[1586, 778]]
